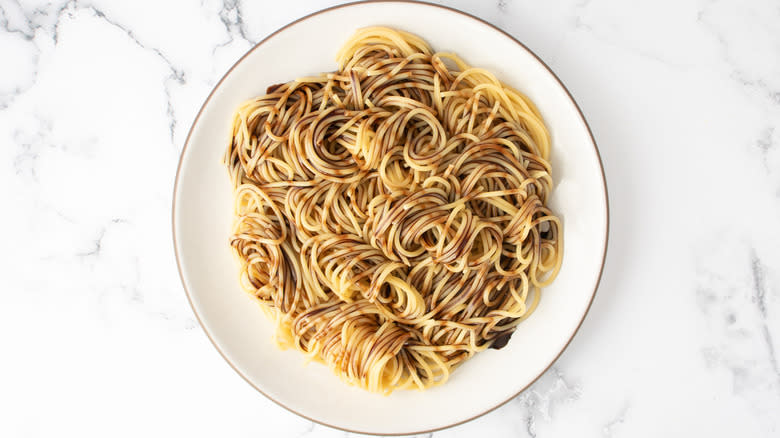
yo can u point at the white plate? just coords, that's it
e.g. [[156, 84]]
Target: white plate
[[237, 326]]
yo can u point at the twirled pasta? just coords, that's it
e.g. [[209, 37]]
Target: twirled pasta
[[391, 216]]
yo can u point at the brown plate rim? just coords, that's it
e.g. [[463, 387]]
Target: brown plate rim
[[187, 142]]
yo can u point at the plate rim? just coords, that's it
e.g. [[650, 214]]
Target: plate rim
[[345, 5]]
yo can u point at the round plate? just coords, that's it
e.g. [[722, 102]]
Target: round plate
[[202, 209]]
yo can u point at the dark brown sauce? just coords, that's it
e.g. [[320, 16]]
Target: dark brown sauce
[[501, 341], [272, 88]]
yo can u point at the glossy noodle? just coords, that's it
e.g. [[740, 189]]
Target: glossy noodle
[[391, 216]]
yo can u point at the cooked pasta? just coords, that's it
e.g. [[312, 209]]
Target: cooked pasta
[[391, 216]]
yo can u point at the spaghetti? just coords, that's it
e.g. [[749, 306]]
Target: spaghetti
[[391, 216]]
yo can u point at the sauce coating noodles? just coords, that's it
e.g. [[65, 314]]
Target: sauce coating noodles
[[391, 216]]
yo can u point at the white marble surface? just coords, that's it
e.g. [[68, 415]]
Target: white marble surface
[[97, 338]]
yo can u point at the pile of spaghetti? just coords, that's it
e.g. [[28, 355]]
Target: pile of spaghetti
[[391, 216]]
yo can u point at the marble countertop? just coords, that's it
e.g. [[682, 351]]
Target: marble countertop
[[96, 99]]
